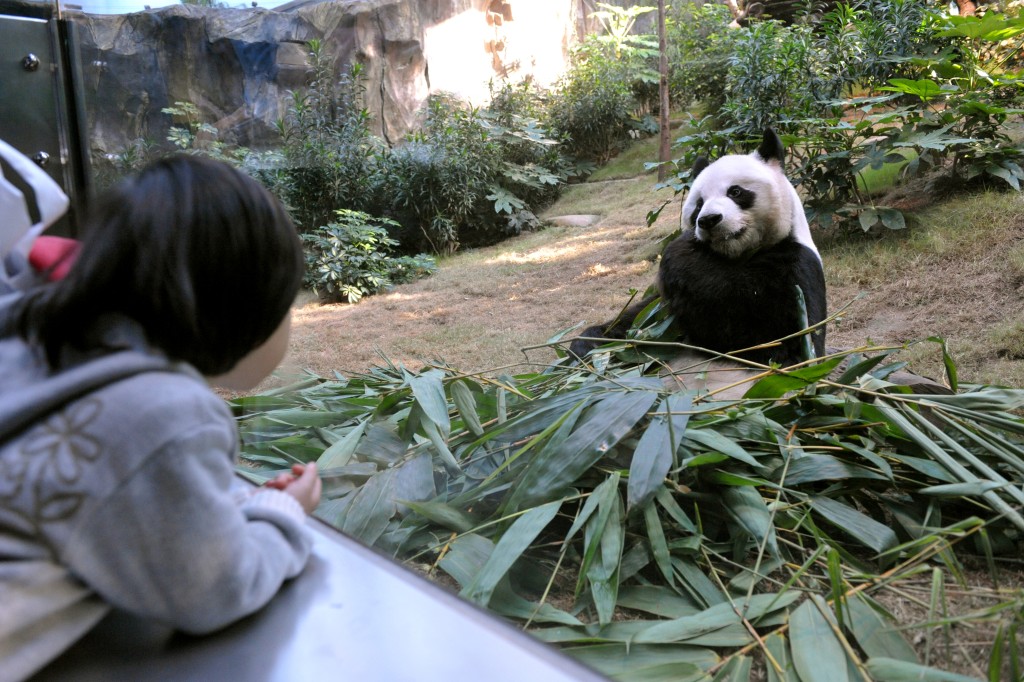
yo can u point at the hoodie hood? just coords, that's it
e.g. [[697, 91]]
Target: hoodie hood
[[30, 389]]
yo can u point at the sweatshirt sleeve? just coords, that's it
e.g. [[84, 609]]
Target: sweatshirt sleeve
[[171, 543]]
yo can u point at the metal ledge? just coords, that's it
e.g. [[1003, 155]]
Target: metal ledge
[[352, 614]]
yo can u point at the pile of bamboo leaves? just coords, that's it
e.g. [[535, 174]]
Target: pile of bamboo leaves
[[659, 534]]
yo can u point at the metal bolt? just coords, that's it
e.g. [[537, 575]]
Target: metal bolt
[[30, 62], [42, 159]]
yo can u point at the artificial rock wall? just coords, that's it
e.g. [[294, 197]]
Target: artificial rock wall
[[238, 65]]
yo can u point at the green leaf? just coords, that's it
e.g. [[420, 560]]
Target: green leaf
[[868, 217], [371, 508], [464, 401], [429, 392], [714, 618], [864, 529], [661, 601], [817, 654], [716, 442], [659, 547], [875, 633], [653, 455], [603, 571], [339, 454], [602, 426], [509, 549], [990, 26], [892, 670], [736, 670], [974, 488], [925, 89], [814, 468], [892, 218], [778, 384], [778, 647], [618, 660], [445, 515], [746, 506]]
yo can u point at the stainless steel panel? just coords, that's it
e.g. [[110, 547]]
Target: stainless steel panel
[[352, 615]]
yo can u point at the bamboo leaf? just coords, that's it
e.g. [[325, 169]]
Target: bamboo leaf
[[600, 428], [465, 403], [778, 384], [509, 549], [669, 504], [864, 529], [371, 508], [814, 468], [445, 515], [429, 393], [875, 633], [661, 601], [464, 560], [892, 670], [653, 455], [659, 547], [716, 442], [746, 506], [714, 618], [817, 654], [617, 660], [699, 585], [339, 453], [974, 488], [736, 670], [778, 647]]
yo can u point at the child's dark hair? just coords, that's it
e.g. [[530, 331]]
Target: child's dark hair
[[197, 252]]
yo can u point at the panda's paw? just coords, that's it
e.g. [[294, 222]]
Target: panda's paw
[[579, 347]]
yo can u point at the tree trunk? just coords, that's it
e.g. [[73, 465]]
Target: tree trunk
[[966, 7], [663, 151]]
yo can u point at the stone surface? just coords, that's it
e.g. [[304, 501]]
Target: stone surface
[[238, 65]]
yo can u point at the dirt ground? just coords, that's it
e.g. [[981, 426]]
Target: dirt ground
[[484, 306]]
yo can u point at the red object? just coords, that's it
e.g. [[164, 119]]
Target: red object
[[53, 255]]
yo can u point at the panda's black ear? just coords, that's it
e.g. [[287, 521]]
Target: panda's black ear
[[698, 167], [771, 148]]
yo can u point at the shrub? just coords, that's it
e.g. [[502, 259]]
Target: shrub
[[700, 44], [469, 177], [350, 258], [591, 111], [328, 153]]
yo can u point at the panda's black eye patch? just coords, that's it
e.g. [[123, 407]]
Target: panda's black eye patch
[[697, 206], [743, 197]]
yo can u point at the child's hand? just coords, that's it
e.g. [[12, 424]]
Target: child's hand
[[303, 483]]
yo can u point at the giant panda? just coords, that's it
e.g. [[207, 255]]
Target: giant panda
[[731, 278]]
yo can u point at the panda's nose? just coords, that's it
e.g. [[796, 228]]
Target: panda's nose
[[708, 221]]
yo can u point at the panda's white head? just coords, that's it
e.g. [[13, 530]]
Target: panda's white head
[[741, 203]]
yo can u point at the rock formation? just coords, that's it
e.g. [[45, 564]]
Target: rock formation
[[238, 65]]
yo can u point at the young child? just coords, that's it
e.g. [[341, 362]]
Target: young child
[[116, 459]]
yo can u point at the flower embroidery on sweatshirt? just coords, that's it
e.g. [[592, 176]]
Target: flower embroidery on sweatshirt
[[39, 479]]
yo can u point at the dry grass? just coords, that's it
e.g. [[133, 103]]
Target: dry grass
[[484, 305], [958, 274]]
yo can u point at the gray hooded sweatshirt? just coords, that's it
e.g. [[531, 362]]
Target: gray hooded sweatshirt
[[117, 489]]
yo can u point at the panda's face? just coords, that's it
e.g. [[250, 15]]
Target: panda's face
[[739, 204]]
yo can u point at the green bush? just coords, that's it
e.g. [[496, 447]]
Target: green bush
[[700, 44], [470, 177], [603, 99], [328, 154], [591, 110], [350, 258]]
